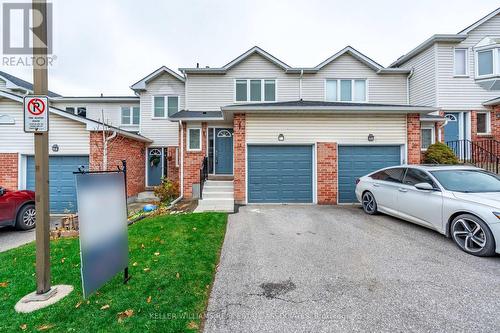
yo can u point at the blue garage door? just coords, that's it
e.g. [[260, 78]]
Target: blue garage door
[[61, 180], [279, 174], [357, 161]]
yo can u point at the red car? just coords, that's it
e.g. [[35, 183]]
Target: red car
[[17, 208]]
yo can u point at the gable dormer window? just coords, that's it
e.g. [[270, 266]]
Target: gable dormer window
[[487, 63], [255, 90], [345, 90]]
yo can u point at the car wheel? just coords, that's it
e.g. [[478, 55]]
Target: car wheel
[[369, 203], [26, 218], [472, 235]]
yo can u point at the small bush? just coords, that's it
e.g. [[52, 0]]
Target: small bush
[[167, 191], [439, 153]]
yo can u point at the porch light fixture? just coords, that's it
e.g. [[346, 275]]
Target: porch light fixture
[[371, 137], [281, 137], [55, 148]]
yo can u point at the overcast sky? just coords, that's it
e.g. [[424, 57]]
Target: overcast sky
[[103, 46]]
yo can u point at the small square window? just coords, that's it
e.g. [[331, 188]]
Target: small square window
[[427, 137], [194, 139], [482, 123]]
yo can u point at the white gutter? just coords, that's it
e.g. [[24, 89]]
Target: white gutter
[[182, 159]]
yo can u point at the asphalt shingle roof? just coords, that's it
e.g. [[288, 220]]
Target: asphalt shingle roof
[[24, 84], [183, 114]]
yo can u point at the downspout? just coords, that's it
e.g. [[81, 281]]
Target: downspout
[[182, 169], [408, 86], [300, 83], [440, 127], [105, 149]]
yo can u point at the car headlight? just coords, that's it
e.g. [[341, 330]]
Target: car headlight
[[497, 214]]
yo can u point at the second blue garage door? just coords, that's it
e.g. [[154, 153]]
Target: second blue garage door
[[357, 161], [61, 180], [280, 174]]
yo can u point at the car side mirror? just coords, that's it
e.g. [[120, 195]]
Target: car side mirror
[[424, 187]]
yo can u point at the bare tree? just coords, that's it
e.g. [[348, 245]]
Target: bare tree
[[110, 139]]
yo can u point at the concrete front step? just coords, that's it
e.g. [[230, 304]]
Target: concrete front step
[[217, 195], [218, 183], [207, 189], [215, 205]]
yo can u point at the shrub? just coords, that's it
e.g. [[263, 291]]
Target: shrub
[[439, 153], [167, 191]]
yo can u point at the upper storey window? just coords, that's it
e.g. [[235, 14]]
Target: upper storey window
[[255, 90], [346, 90], [165, 106], [487, 63], [460, 61]]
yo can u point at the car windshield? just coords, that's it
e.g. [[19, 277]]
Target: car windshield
[[468, 181]]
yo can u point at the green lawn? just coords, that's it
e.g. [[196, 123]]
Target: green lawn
[[172, 264]]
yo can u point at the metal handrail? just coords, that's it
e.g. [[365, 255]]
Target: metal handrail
[[491, 145], [473, 153], [203, 175]]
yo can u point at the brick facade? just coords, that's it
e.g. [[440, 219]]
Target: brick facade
[[9, 170], [413, 137], [121, 148], [239, 143], [172, 164], [193, 161], [327, 173]]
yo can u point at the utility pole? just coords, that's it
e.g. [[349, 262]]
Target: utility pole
[[40, 87]]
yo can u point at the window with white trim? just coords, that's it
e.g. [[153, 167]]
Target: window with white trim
[[255, 90], [485, 62], [79, 110], [460, 62], [194, 139], [130, 115], [346, 90], [483, 123], [165, 106], [427, 136]]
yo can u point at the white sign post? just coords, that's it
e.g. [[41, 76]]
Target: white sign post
[[36, 114]]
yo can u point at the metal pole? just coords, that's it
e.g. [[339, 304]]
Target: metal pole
[[40, 87]]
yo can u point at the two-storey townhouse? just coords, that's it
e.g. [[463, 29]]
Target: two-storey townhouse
[[283, 134], [75, 139], [460, 75]]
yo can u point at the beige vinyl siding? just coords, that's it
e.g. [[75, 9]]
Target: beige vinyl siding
[[112, 112], [343, 129], [3, 84], [458, 92], [423, 81], [163, 132], [71, 136], [210, 92], [386, 88]]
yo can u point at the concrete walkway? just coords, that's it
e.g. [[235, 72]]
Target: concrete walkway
[[336, 269]]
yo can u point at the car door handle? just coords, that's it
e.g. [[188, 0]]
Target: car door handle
[[402, 190]]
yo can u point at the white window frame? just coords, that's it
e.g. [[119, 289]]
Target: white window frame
[[165, 105], [466, 74], [433, 134], [488, 122], [75, 109], [262, 90], [352, 90], [131, 108], [189, 141], [495, 55]]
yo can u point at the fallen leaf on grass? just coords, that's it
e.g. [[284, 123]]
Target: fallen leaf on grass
[[157, 253], [142, 246], [78, 305], [23, 326], [135, 264], [105, 307], [192, 325], [125, 314], [147, 269], [4, 284], [194, 228], [62, 260], [148, 300], [45, 327], [177, 275]]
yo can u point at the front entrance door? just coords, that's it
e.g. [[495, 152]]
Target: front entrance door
[[451, 130], [157, 165], [224, 151]]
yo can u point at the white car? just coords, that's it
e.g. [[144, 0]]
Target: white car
[[458, 201]]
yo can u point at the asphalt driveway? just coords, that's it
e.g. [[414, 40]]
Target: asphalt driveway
[[330, 269]]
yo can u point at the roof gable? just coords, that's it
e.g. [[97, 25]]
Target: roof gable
[[480, 21], [261, 52], [141, 84], [356, 54]]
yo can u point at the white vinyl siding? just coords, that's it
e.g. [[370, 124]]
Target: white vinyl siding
[[381, 88], [71, 136], [162, 131], [343, 129]]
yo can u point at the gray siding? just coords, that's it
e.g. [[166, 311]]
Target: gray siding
[[423, 81], [459, 92], [163, 132]]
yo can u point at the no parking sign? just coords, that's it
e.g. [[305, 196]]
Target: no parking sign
[[36, 114]]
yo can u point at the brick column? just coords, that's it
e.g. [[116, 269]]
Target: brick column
[[121, 148], [9, 170], [326, 157], [172, 160], [239, 143], [193, 161], [413, 137]]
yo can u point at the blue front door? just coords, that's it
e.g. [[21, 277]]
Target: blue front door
[[451, 132], [155, 166], [224, 151]]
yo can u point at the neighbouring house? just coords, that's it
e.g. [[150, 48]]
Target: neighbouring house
[[267, 132], [460, 75]]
